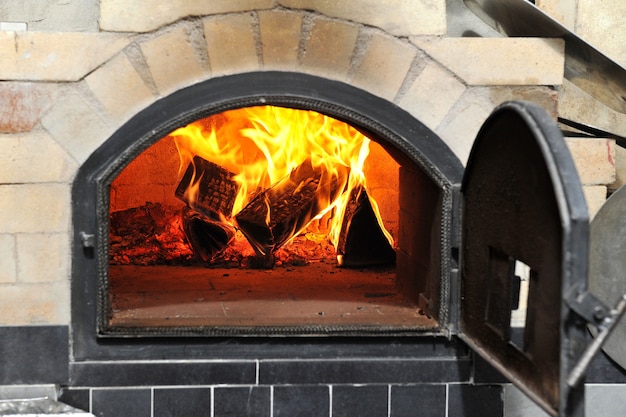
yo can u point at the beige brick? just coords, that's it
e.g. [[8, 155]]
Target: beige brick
[[172, 61], [329, 48], [22, 104], [280, 37], [76, 125], [67, 56], [34, 157], [147, 15], [43, 257], [231, 45], [594, 159], [398, 17], [499, 61], [425, 98], [461, 125], [35, 304], [384, 66], [595, 196], [601, 23], [564, 11], [32, 208], [620, 168], [119, 88], [576, 104], [8, 254]]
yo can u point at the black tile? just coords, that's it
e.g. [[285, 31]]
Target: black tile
[[418, 401], [77, 398], [182, 402], [34, 355], [484, 373], [242, 402], [302, 401], [121, 403], [104, 374], [362, 401], [364, 371], [475, 401]]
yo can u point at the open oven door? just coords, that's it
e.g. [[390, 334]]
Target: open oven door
[[523, 206]]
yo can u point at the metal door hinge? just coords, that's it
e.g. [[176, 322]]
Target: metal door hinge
[[595, 312]]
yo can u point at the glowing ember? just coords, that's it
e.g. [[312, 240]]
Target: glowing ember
[[289, 171]]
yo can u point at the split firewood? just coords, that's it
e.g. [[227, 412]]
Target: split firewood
[[215, 192], [362, 242], [207, 237], [277, 214]]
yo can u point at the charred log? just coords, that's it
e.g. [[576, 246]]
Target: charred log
[[216, 190], [148, 235], [280, 212], [362, 242], [207, 237]]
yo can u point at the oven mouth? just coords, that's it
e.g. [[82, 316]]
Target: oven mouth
[[405, 139]]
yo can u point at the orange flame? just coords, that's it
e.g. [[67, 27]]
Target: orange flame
[[264, 145]]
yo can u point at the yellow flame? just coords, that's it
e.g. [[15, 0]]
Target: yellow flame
[[263, 145]]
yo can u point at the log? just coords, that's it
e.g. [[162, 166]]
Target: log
[[207, 237], [362, 242], [148, 235], [216, 188], [277, 214]]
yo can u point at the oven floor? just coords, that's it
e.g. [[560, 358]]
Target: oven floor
[[320, 294]]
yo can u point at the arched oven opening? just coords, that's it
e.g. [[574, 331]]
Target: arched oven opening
[[266, 204]]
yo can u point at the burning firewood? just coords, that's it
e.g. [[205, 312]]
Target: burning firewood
[[148, 235], [361, 240], [280, 212], [216, 190], [207, 237]]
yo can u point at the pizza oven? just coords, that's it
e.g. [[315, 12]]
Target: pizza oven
[[255, 208]]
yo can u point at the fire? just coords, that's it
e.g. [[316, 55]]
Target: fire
[[282, 161]]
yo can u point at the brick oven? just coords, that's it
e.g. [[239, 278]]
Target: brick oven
[[90, 118]]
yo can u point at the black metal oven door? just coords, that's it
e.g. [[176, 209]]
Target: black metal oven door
[[525, 231]]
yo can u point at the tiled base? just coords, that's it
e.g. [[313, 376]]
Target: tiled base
[[330, 378], [427, 400]]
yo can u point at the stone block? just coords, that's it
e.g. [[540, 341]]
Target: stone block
[[462, 123], [30, 56], [280, 38], [43, 257], [398, 17], [35, 304], [53, 16], [432, 95], [33, 208], [172, 61], [594, 159], [125, 16], [34, 157], [498, 61], [620, 168], [595, 196], [231, 44], [576, 104], [22, 104], [119, 88], [601, 23], [329, 48], [384, 66], [8, 254], [76, 125]]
